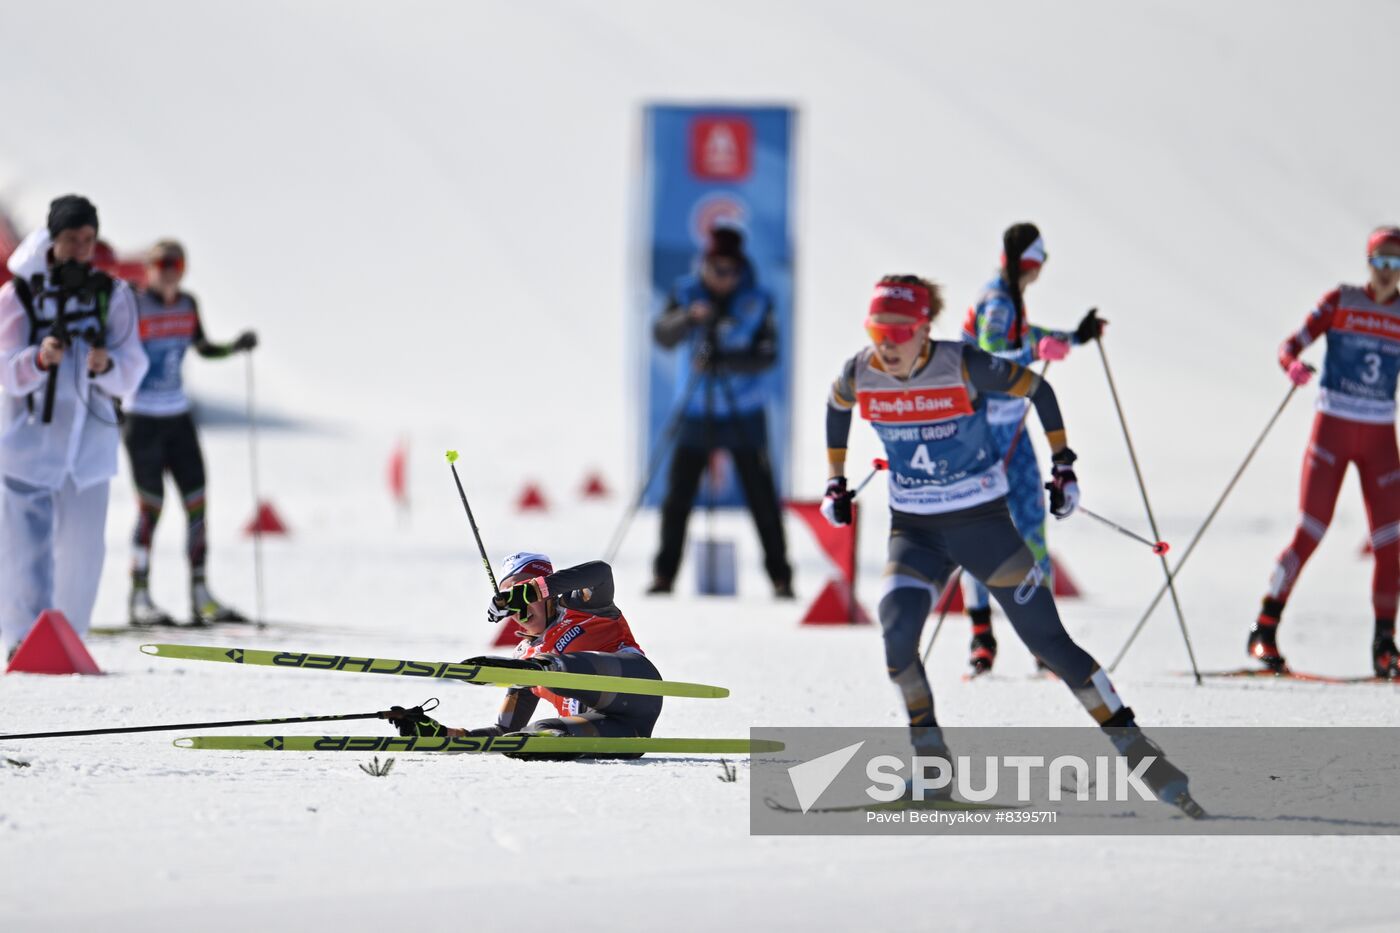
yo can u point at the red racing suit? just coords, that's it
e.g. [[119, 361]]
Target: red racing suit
[[1355, 423]]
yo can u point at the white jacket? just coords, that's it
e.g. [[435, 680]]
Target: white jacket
[[83, 437]]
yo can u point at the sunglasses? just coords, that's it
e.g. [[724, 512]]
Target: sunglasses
[[725, 271], [891, 333], [169, 263], [1385, 262]]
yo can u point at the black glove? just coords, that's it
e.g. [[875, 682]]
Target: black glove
[[836, 505], [1090, 328], [516, 600], [514, 664], [414, 722], [1063, 485], [246, 341]]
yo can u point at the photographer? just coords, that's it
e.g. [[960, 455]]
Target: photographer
[[68, 351], [722, 320]]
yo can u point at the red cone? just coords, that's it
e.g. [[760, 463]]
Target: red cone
[[1064, 583], [951, 600], [266, 521], [52, 647], [506, 636], [531, 499], [595, 488]]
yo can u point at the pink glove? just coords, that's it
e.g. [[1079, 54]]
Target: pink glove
[[1052, 348], [1299, 372]]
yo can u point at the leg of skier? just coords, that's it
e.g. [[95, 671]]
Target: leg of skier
[[606, 715], [1026, 500], [1324, 468], [187, 469], [1380, 474], [918, 566], [145, 448], [984, 540]]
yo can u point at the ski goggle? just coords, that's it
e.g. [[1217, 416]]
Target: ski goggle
[[170, 263], [891, 333], [1385, 262]]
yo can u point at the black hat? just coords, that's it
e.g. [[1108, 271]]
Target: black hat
[[70, 212]]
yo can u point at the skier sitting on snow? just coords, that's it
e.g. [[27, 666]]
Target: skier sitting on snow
[[569, 623]]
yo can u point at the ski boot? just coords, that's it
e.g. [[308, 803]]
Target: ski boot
[[206, 610], [1385, 658], [984, 643], [660, 586], [1163, 778], [141, 611], [928, 743], [1263, 638]]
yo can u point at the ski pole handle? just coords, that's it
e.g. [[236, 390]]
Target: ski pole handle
[[1158, 547], [876, 465]]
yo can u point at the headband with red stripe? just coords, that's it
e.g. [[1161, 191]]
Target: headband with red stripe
[[1033, 258], [911, 301], [1380, 237]]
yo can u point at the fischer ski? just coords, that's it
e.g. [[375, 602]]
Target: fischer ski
[[447, 670], [499, 744]]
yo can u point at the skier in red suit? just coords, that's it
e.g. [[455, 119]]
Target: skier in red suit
[[1355, 423]]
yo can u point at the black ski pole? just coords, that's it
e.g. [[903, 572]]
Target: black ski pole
[[663, 446], [955, 578], [471, 520], [1200, 532], [1147, 505], [1158, 547], [260, 619], [126, 730]]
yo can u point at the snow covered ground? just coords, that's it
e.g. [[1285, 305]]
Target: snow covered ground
[[388, 191]]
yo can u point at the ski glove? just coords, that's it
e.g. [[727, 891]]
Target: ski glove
[[836, 506], [414, 722], [246, 341], [1063, 485], [517, 599], [1090, 327], [1299, 372]]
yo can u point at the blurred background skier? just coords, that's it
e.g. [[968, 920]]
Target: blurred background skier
[[1355, 423], [66, 326], [160, 435], [721, 319], [927, 401], [997, 323], [568, 622]]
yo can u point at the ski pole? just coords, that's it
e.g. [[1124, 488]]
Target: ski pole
[[955, 579], [1147, 505], [259, 618], [471, 519], [1195, 539], [663, 446], [126, 730], [1158, 547]]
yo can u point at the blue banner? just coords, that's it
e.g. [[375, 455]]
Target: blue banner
[[706, 167]]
